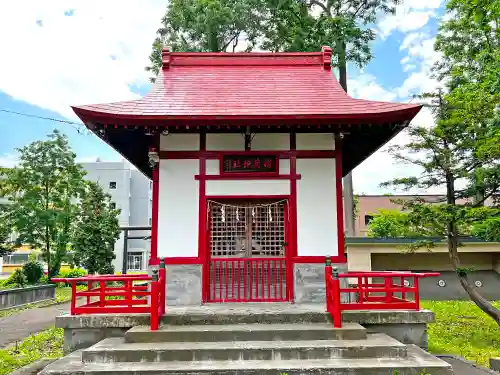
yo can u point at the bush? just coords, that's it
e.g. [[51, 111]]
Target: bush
[[17, 279], [71, 273], [44, 279], [33, 271]]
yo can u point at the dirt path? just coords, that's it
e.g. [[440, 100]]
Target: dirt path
[[19, 326]]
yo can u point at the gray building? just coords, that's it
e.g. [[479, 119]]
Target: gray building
[[130, 191]]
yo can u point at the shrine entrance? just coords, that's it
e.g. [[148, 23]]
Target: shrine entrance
[[248, 242]]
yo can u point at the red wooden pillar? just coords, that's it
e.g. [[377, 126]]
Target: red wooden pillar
[[339, 196], [153, 258]]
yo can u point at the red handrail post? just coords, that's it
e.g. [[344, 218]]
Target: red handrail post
[[73, 298], [417, 294], [336, 307], [388, 289], [102, 297], [328, 278], [154, 301], [163, 285]]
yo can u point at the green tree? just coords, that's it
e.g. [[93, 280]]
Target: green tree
[[450, 157], [391, 223], [96, 232], [470, 43], [206, 26], [42, 190], [347, 25], [6, 245]]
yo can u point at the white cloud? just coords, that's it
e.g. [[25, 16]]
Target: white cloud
[[420, 59], [365, 86], [381, 167], [408, 67], [55, 60], [411, 15], [8, 160]]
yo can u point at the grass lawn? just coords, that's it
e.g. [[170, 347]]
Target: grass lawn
[[462, 329], [62, 295], [46, 344]]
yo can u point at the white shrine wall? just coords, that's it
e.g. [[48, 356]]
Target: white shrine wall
[[179, 190], [316, 208], [178, 208]]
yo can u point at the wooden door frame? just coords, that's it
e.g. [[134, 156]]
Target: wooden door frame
[[288, 226]]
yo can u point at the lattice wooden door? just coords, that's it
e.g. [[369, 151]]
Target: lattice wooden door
[[248, 244]]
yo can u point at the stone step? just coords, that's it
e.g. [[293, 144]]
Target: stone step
[[246, 332], [417, 362], [116, 350]]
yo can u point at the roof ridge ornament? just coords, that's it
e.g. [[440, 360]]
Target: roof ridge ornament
[[165, 57], [327, 57]]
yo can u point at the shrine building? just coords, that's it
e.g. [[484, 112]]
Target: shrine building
[[246, 152]]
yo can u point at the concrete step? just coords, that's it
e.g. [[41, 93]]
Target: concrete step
[[416, 363], [116, 350], [246, 332]]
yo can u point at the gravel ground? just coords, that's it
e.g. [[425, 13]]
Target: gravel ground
[[19, 326]]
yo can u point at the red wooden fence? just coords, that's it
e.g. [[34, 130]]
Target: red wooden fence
[[374, 291], [120, 294], [247, 280]]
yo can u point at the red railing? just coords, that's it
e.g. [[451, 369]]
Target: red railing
[[120, 294], [374, 291], [247, 280]]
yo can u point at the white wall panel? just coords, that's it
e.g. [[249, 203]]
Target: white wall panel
[[315, 141], [248, 187], [271, 141], [316, 208], [225, 142], [284, 166], [178, 208], [180, 142], [212, 167]]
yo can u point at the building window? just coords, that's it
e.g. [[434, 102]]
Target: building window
[[134, 261], [368, 219], [113, 205], [15, 258], [112, 185]]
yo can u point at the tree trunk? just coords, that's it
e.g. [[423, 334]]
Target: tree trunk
[[47, 231], [350, 224], [452, 236]]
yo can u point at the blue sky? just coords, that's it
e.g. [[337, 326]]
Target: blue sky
[[70, 52]]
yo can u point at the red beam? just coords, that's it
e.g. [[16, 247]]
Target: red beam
[[247, 176], [299, 154]]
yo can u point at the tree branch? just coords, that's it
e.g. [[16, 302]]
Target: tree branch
[[363, 3], [321, 5], [235, 36]]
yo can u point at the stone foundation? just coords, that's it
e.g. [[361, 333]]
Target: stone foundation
[[309, 281], [184, 284], [82, 331]]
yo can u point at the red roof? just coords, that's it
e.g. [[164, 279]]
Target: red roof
[[249, 85]]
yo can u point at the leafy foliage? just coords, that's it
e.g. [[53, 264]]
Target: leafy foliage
[[391, 223], [6, 245], [42, 191], [272, 25], [449, 155], [206, 26], [33, 271], [96, 232], [16, 279], [46, 344]]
